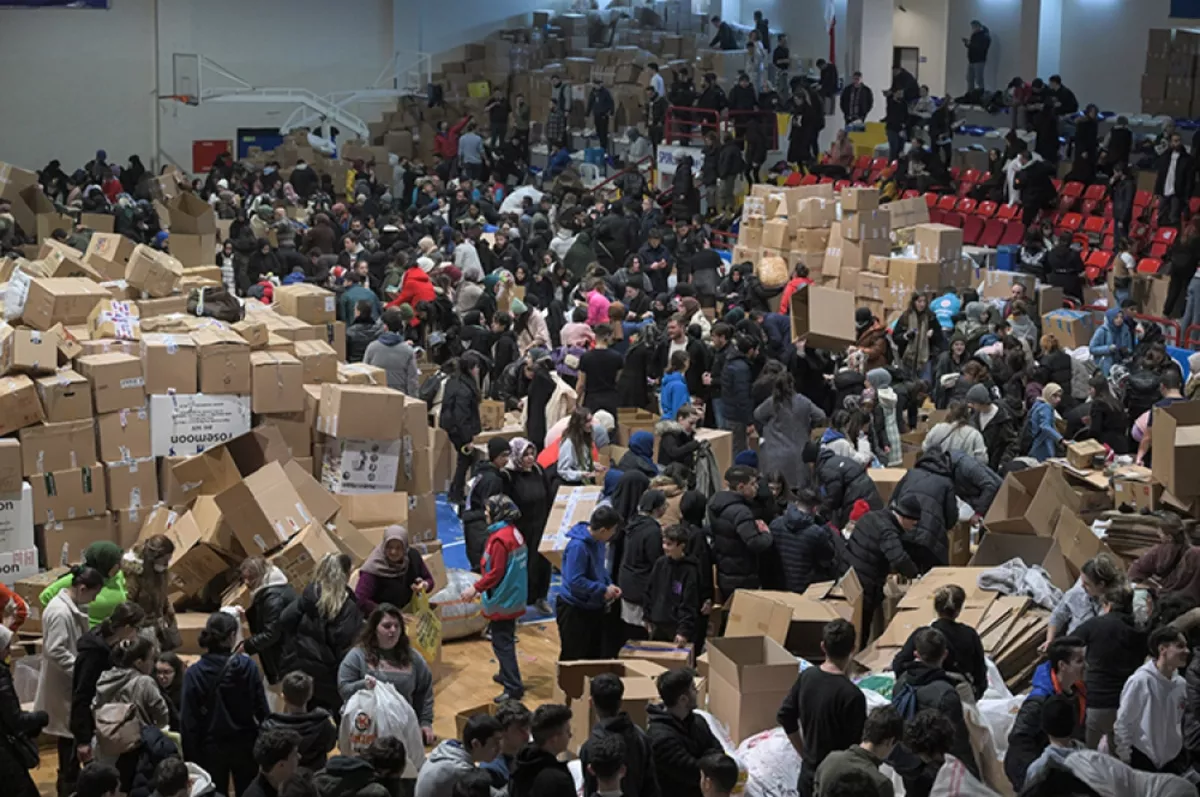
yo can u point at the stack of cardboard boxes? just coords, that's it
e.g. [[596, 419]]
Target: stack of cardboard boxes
[[1168, 82]]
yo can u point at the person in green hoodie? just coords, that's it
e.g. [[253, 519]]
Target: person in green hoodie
[[105, 557]]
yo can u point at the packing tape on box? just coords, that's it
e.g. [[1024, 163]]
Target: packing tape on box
[[135, 498]]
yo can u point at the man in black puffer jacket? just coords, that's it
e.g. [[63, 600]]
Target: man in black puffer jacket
[[738, 540], [974, 482], [737, 378], [679, 737], [931, 482], [840, 482], [807, 549], [639, 780], [460, 416], [876, 548], [488, 480]]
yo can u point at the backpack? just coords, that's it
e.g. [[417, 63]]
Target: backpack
[[904, 700], [118, 729]]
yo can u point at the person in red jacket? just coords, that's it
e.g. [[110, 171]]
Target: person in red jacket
[[417, 287], [799, 279], [11, 601], [445, 141], [502, 589]]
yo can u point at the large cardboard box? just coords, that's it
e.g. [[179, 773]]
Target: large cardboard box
[[571, 505], [19, 405], [65, 300], [264, 509], [132, 484], [667, 655], [364, 412], [1175, 444], [300, 557], [640, 692], [109, 253], [32, 586], [194, 563], [318, 362], [193, 250], [65, 540], [1009, 512], [860, 199], [361, 466], [11, 471], [65, 396], [824, 317], [169, 363], [118, 320], [309, 303], [795, 621], [886, 480], [191, 215], [866, 225], [748, 678], [1072, 328], [152, 271], [938, 242], [223, 359], [183, 425], [117, 381], [69, 494], [124, 434], [996, 549], [277, 382], [58, 446]]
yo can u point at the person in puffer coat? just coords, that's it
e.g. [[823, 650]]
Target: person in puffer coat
[[807, 549], [839, 482], [876, 548], [931, 482], [738, 540], [270, 595], [643, 547], [640, 455], [349, 776], [974, 482], [156, 747], [488, 480]]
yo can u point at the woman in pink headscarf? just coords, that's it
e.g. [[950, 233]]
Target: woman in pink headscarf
[[392, 573]]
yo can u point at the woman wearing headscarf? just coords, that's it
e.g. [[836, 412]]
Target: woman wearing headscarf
[[392, 573], [529, 489], [640, 455], [633, 386], [146, 572], [529, 325], [105, 557]]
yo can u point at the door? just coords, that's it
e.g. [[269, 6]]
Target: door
[[909, 58]]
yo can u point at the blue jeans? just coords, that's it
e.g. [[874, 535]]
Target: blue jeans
[[718, 405], [975, 76], [504, 645]]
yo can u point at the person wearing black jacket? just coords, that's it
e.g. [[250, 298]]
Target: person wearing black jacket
[[640, 779], [977, 53], [857, 100], [829, 83], [1087, 135], [1115, 649], [529, 489], [697, 355], [712, 96], [738, 540], [1065, 267], [318, 735], [92, 657], [964, 649], [935, 689], [1176, 165], [15, 724], [931, 482], [223, 704], [504, 343], [1108, 419], [730, 165], [876, 548], [840, 482], [643, 547], [489, 479], [710, 171], [693, 508], [673, 595], [895, 121], [600, 107], [737, 378], [1122, 189], [974, 482], [1036, 186], [1064, 101], [538, 772], [1061, 674], [807, 549], [679, 737], [724, 39], [677, 441], [995, 422], [460, 416], [742, 97], [270, 595], [656, 114]]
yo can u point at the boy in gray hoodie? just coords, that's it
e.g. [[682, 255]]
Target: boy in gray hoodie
[[1059, 715], [452, 758]]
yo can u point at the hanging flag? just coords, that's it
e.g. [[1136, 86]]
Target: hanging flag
[[831, 26]]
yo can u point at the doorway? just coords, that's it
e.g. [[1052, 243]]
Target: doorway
[[909, 58]]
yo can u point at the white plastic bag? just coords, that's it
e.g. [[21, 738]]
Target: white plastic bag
[[955, 780], [459, 618], [382, 711], [771, 764], [999, 716], [15, 295]]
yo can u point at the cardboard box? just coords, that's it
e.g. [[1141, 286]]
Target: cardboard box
[[117, 381], [264, 509], [748, 678], [360, 374], [109, 253], [1072, 328], [309, 303], [300, 557], [132, 484], [810, 241], [19, 405], [1176, 448], [1083, 454], [1009, 512], [571, 678], [223, 359], [295, 429], [169, 363], [776, 234], [183, 425], [795, 621], [166, 306], [193, 250], [318, 362], [860, 199], [115, 319], [996, 549], [190, 625], [124, 434], [886, 480], [65, 396], [878, 264], [866, 225], [65, 300], [65, 540], [253, 332], [364, 412], [491, 413], [11, 471], [58, 446], [69, 494], [913, 275], [667, 655], [191, 215], [367, 510], [277, 382], [999, 284], [30, 589], [938, 242], [571, 505], [1141, 494], [361, 466], [27, 351], [639, 693], [824, 317], [152, 271], [811, 212]]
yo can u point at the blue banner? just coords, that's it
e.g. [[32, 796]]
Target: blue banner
[[54, 4], [1185, 9]]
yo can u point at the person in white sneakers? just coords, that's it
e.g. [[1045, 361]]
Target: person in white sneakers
[[1148, 731]]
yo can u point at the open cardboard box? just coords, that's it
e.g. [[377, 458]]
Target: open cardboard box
[[795, 621], [640, 692], [570, 683], [824, 317], [1176, 447], [996, 549], [665, 654], [748, 678]]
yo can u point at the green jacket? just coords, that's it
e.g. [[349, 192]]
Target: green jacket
[[112, 594]]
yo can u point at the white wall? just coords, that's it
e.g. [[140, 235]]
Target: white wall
[[923, 24], [804, 23], [1003, 19]]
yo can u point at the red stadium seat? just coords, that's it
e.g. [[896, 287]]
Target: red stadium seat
[[1091, 273], [809, 179], [972, 230], [1158, 249], [1149, 265], [1072, 188], [966, 206], [1014, 234], [1166, 235], [1095, 193], [992, 234], [955, 172], [1088, 207], [953, 219], [1099, 259], [1095, 225], [1070, 222], [986, 209], [1008, 212], [971, 176], [841, 184], [1143, 198], [1109, 243], [947, 203], [879, 163], [931, 199], [1066, 203], [911, 193], [936, 215], [826, 181]]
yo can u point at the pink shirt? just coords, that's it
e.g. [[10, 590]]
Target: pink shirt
[[597, 308]]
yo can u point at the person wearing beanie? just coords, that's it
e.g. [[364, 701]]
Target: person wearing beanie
[[1045, 436], [979, 394], [748, 458], [876, 548], [1000, 430], [930, 482], [530, 326], [488, 479], [863, 320]]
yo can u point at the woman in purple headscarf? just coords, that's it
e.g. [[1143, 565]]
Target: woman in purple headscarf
[[392, 573]]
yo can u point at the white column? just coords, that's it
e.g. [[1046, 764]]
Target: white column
[[875, 48], [1047, 44]]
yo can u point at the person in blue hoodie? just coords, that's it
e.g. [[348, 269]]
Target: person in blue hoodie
[[587, 588], [640, 455], [1041, 424], [674, 392], [1113, 342], [1061, 674]]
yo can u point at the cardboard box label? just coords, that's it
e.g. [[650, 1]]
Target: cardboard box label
[[185, 425]]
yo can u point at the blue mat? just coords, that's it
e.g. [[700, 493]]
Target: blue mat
[[454, 552]]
